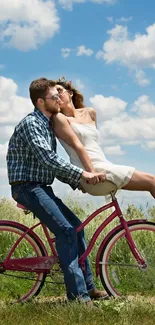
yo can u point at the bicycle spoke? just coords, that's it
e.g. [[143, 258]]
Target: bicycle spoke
[[120, 264], [29, 283], [120, 272]]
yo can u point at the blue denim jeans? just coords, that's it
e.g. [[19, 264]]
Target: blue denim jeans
[[60, 220]]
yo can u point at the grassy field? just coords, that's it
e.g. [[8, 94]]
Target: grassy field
[[47, 308], [44, 312]]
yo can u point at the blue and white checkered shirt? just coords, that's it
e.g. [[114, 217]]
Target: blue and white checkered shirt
[[32, 154]]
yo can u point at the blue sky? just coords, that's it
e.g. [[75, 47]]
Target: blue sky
[[107, 49]]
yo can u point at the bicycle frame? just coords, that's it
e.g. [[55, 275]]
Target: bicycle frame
[[123, 223], [45, 263]]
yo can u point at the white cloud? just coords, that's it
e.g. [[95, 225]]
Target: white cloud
[[68, 4], [150, 145], [3, 172], [4, 184], [118, 126], [6, 131], [82, 50], [127, 128], [3, 169], [115, 87], [27, 24], [114, 150], [65, 52], [144, 107], [13, 107], [79, 84], [122, 19], [141, 79], [137, 53], [3, 150], [107, 107], [125, 19], [110, 19]]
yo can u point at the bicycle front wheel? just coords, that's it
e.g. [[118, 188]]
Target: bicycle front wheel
[[19, 286], [119, 271]]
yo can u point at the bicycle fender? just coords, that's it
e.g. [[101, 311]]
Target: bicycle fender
[[26, 229]]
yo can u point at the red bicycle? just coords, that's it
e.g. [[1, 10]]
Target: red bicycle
[[125, 259]]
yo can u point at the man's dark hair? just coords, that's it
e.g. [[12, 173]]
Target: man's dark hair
[[39, 88]]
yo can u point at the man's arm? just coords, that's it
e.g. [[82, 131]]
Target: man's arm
[[34, 136]]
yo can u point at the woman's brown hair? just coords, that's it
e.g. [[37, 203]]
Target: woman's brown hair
[[78, 99]]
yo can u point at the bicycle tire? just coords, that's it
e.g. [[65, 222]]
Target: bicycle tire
[[29, 244], [118, 269]]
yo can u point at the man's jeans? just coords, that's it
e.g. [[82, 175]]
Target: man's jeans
[[41, 200]]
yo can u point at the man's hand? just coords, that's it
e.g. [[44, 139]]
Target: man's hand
[[93, 178]]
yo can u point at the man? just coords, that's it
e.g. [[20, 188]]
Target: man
[[32, 165]]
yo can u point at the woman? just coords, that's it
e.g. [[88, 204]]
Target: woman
[[76, 130]]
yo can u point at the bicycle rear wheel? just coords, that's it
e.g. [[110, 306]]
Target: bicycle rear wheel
[[19, 286], [119, 270]]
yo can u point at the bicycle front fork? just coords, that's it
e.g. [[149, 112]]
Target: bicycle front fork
[[141, 262]]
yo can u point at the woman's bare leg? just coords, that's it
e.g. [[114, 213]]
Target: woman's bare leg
[[141, 182]]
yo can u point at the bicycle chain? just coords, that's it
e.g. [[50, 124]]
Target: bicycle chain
[[31, 279]]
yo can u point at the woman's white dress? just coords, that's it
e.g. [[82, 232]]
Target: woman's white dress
[[119, 175]]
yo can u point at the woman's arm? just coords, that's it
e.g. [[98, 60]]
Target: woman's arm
[[64, 131]]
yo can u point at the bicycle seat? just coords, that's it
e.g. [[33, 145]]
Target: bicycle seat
[[20, 206], [100, 189]]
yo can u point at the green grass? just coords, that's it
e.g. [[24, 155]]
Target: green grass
[[134, 310], [114, 312]]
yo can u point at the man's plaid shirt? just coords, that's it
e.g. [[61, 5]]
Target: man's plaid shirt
[[32, 154]]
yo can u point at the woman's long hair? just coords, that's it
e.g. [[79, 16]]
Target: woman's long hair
[[78, 99]]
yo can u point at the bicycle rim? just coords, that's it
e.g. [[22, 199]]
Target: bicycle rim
[[119, 270], [19, 286]]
